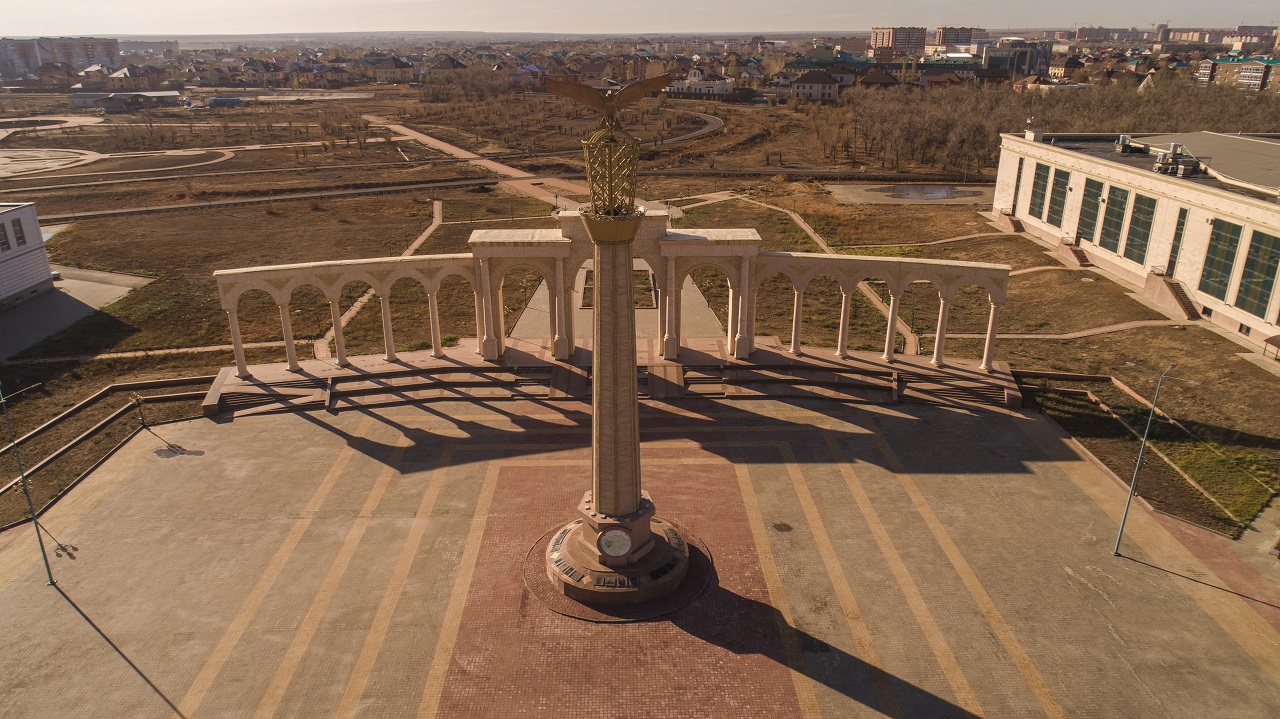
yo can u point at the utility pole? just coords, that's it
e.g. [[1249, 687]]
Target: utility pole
[[1142, 447], [26, 489]]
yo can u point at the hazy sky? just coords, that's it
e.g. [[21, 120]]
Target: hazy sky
[[154, 17]]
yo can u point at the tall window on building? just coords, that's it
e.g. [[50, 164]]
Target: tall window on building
[[1177, 242], [1259, 277], [1058, 197], [1140, 217], [1017, 185], [4, 239], [1087, 225], [18, 235], [1220, 258], [1113, 219], [1038, 187]]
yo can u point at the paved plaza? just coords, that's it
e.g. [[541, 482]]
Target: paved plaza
[[911, 560]]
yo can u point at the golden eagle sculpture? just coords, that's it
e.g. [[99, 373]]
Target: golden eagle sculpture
[[610, 104]]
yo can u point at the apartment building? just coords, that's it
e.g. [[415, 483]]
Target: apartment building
[[906, 40]]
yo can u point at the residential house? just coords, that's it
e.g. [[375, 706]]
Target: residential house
[[816, 85], [392, 70], [136, 77]]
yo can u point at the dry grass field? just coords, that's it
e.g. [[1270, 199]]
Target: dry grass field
[[113, 196], [182, 249]]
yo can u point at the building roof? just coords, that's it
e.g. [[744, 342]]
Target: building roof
[[1246, 158], [817, 77]]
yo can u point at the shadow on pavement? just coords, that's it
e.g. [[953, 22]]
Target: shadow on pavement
[[118, 651], [745, 626]]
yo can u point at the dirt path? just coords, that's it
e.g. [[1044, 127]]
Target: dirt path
[[1105, 329], [524, 182]]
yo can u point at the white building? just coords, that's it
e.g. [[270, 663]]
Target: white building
[[24, 264], [1194, 214]]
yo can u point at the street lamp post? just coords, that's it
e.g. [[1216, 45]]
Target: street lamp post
[[1142, 447], [26, 488]]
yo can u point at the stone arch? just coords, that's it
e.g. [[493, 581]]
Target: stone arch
[[774, 304], [362, 326], [820, 318], [410, 320], [259, 315], [714, 281], [309, 310], [517, 284], [456, 298]]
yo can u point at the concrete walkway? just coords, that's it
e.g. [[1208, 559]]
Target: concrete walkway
[[77, 295]]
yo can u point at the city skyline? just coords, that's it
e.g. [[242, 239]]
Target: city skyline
[[240, 17]]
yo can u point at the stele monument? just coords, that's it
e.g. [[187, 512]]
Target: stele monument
[[618, 552]]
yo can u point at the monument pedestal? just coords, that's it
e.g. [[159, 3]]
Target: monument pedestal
[[600, 559]]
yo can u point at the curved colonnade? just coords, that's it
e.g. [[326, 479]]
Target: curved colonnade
[[558, 254]]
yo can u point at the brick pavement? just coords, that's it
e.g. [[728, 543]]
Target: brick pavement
[[910, 561]]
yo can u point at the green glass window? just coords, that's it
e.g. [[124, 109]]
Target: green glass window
[[1018, 183], [1177, 241], [1087, 225], [1113, 218], [1259, 277], [1220, 258], [1058, 197], [1038, 187], [1140, 217]]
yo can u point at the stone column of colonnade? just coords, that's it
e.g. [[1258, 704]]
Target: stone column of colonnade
[[339, 340]]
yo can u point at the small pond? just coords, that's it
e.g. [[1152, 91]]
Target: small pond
[[924, 192]]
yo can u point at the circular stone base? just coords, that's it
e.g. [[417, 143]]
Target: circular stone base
[[696, 577]]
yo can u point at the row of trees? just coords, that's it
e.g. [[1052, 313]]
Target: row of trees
[[958, 129]]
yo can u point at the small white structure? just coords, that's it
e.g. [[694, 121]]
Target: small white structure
[[1192, 218], [24, 263]]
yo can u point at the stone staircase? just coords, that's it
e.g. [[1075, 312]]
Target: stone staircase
[[1183, 299], [859, 378], [1080, 257]]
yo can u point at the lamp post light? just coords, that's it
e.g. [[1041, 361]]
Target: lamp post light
[[1142, 447], [26, 487]]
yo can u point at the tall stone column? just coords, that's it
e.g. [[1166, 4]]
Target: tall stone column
[[615, 406], [617, 551]]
